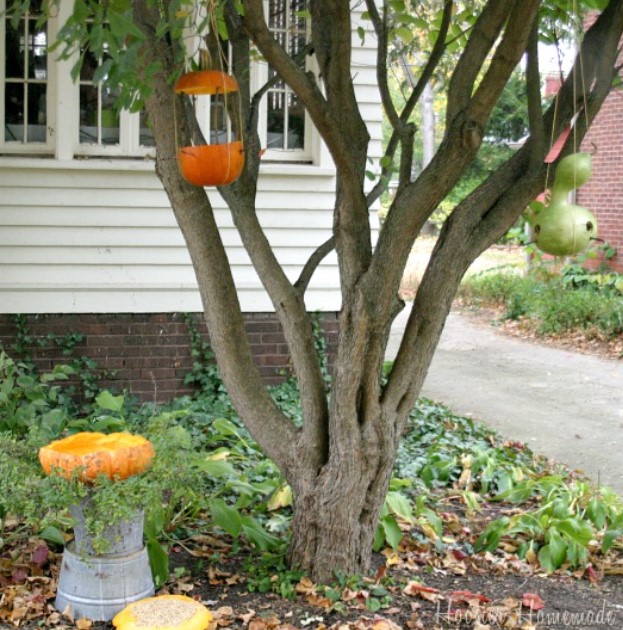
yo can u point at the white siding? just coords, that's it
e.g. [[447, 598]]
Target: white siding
[[99, 235], [105, 240]]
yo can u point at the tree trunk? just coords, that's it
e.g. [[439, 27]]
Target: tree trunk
[[336, 515]]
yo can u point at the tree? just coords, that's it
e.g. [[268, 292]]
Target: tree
[[340, 460]]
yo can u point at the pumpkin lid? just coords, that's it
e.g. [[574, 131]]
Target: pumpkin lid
[[164, 612], [117, 455], [206, 82]]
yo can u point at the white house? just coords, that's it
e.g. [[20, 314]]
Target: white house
[[85, 227]]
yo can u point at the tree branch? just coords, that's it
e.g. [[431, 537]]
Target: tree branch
[[195, 216], [380, 27], [287, 301], [484, 35], [492, 208], [505, 59], [427, 73], [533, 88], [306, 89], [312, 264]]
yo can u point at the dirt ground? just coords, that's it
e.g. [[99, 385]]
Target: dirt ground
[[414, 588]]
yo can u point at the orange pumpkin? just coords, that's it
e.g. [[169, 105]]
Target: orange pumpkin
[[164, 612], [211, 164], [118, 455], [206, 82]]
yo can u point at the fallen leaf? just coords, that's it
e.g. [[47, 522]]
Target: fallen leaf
[[468, 597], [40, 555], [532, 601], [19, 574], [425, 592], [306, 587], [246, 617], [83, 624]]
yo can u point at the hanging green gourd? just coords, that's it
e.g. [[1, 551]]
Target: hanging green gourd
[[564, 228]]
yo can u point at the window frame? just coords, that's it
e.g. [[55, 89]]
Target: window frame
[[8, 147], [63, 115], [310, 151]]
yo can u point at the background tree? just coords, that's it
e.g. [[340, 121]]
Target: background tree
[[340, 460]]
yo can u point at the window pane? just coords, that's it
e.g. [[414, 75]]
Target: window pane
[[146, 134], [276, 120], [296, 123], [299, 10], [14, 65], [286, 115], [37, 54], [14, 106], [25, 87], [277, 14]]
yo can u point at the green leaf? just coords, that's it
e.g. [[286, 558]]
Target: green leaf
[[105, 400], [216, 467], [225, 516], [490, 538], [399, 505], [154, 521], [558, 548], [596, 512], [158, 561], [379, 537], [393, 533], [576, 530], [405, 34], [609, 538], [52, 534], [225, 427], [545, 559], [257, 534], [122, 26], [102, 72]]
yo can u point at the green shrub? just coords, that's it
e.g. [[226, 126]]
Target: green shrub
[[554, 303]]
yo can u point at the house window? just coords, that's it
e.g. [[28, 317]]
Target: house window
[[44, 112], [25, 108], [286, 126], [286, 114], [102, 129], [36, 86]]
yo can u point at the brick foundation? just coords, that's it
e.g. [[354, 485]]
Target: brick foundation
[[149, 354]]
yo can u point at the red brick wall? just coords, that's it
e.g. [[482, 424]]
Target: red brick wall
[[603, 193], [149, 354]]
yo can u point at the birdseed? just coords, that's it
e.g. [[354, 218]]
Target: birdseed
[[163, 612]]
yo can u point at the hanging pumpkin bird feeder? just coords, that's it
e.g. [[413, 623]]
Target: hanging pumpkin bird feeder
[[212, 164], [564, 228]]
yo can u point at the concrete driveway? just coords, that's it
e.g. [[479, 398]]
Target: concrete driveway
[[565, 405]]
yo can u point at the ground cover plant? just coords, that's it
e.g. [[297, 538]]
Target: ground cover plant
[[343, 453], [468, 529], [552, 301]]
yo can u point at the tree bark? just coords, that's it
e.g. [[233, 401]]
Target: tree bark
[[340, 463]]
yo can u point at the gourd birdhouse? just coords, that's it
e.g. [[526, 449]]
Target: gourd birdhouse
[[214, 164], [564, 228]]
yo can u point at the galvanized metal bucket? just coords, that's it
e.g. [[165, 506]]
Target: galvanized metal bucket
[[121, 538], [98, 587]]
